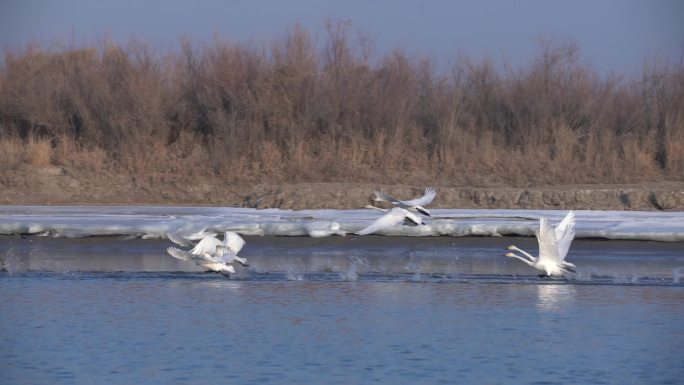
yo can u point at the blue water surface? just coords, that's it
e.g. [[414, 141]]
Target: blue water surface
[[156, 328]]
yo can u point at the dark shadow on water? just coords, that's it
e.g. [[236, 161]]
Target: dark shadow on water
[[344, 277], [369, 258]]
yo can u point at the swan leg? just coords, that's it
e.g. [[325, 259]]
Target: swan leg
[[242, 261]]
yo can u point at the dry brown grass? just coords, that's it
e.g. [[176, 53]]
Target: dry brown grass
[[38, 151], [292, 112], [11, 153]]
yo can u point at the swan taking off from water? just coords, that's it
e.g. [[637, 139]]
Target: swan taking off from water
[[553, 247], [415, 205], [393, 217], [214, 254]]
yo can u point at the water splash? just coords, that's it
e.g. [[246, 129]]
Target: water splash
[[414, 267], [290, 275], [12, 262], [676, 275], [352, 273]]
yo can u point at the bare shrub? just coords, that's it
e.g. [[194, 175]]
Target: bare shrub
[[79, 157], [38, 151], [290, 111], [11, 153]]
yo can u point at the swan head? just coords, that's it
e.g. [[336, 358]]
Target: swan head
[[511, 247], [510, 255]]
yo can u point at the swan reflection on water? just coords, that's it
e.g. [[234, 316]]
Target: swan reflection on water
[[555, 297]]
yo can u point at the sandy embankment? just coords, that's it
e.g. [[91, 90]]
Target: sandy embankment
[[58, 186]]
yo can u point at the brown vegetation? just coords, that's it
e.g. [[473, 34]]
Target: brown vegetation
[[297, 113]]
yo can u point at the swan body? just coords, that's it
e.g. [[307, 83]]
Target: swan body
[[214, 254], [324, 229], [414, 205], [553, 247], [205, 260], [393, 217]]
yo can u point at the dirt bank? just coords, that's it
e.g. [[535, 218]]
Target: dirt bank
[[59, 186]]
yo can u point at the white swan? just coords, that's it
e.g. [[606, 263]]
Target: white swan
[[392, 218], [415, 205], [188, 233], [214, 254], [553, 247]]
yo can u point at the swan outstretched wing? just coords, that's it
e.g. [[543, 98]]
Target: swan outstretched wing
[[185, 235], [565, 233], [548, 247], [392, 218], [563, 226], [180, 254], [187, 256], [412, 217], [426, 199], [225, 254], [381, 196], [233, 241], [206, 245], [177, 239]]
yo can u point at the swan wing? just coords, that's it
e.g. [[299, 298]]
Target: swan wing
[[206, 245], [392, 218], [177, 239], [200, 234], [186, 234], [187, 256], [179, 254], [416, 219], [426, 199], [381, 196], [233, 241], [225, 254], [565, 233], [562, 227], [548, 247]]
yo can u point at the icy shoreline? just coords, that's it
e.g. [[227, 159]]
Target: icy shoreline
[[159, 221]]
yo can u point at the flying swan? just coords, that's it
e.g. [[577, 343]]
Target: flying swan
[[393, 217], [553, 247], [214, 254], [414, 205]]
